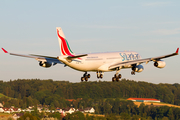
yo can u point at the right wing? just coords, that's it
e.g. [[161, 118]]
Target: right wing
[[139, 61]]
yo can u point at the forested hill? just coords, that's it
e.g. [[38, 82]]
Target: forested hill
[[48, 91]]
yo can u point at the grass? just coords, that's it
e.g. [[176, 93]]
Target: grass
[[1, 95], [5, 115], [160, 104]]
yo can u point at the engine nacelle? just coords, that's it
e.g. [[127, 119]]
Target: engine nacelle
[[159, 64], [138, 68], [45, 64]]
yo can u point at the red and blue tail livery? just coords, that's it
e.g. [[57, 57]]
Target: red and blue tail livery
[[64, 46]]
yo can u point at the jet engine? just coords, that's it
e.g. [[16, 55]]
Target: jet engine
[[45, 64], [138, 68], [159, 64]]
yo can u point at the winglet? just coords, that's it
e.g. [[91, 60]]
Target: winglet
[[177, 50], [4, 50]]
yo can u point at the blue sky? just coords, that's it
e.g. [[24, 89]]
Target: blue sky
[[151, 28]]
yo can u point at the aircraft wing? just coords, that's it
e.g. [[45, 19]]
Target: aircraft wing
[[42, 58], [139, 61]]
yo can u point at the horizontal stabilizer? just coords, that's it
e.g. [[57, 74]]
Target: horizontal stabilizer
[[76, 56]]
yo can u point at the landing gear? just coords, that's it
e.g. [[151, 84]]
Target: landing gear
[[85, 77], [133, 72], [100, 75], [117, 76]]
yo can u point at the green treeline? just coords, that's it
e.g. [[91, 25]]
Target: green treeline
[[45, 91], [107, 98]]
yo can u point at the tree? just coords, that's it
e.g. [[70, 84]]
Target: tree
[[170, 114], [125, 116], [55, 115]]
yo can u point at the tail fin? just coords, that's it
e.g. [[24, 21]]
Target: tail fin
[[63, 44]]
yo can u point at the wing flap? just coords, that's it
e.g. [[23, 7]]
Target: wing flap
[[128, 63]]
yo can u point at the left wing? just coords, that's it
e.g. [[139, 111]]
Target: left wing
[[41, 58], [139, 61]]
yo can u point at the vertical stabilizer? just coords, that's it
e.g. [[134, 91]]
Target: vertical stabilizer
[[63, 44]]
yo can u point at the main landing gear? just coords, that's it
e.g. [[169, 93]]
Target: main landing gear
[[117, 76], [100, 75], [85, 77]]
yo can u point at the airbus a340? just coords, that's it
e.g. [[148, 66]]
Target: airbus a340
[[96, 62]]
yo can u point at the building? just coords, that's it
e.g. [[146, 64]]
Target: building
[[144, 100], [89, 110], [17, 115], [69, 110], [80, 110], [1, 105]]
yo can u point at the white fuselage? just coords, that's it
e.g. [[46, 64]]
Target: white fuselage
[[100, 61]]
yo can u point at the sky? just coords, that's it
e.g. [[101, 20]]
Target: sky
[[151, 28]]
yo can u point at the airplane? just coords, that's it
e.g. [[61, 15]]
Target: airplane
[[96, 62]]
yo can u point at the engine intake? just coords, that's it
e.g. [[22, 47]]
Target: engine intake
[[138, 68], [159, 64], [45, 64]]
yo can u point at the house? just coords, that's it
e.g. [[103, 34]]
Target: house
[[7, 110], [1, 105], [69, 110], [80, 110], [15, 109], [143, 100], [70, 100], [17, 115], [59, 110], [40, 109], [31, 107], [10, 110], [89, 110], [28, 110], [1, 110]]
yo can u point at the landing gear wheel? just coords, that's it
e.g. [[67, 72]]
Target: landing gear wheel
[[117, 79], [132, 72], [113, 79], [119, 76], [82, 79], [88, 75], [101, 76], [86, 78]]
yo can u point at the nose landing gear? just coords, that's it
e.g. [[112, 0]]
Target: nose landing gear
[[133, 72]]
